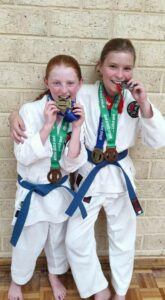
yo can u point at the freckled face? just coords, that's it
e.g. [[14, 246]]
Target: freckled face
[[117, 67], [63, 81]]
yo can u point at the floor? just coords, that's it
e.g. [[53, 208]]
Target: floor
[[146, 284]]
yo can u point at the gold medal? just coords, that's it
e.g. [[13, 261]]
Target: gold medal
[[97, 155], [54, 175], [110, 154], [63, 103]]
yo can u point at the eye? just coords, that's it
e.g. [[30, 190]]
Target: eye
[[56, 83], [112, 66], [70, 82], [128, 68]]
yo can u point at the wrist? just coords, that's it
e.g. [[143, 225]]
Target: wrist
[[146, 109], [47, 128]]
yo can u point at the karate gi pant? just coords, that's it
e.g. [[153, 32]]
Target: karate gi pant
[[81, 245], [33, 239]]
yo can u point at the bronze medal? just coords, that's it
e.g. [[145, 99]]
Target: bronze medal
[[63, 103], [97, 156], [54, 175], [110, 154]]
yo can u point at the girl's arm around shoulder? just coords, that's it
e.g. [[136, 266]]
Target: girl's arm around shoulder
[[32, 149], [17, 127]]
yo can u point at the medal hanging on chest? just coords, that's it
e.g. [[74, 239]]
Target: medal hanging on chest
[[109, 119], [57, 141], [97, 153]]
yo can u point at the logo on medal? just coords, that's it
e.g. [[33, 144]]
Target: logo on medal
[[133, 109]]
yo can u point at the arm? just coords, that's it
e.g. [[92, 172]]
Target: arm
[[50, 115], [75, 154], [17, 127], [153, 130], [36, 146], [139, 94], [151, 121]]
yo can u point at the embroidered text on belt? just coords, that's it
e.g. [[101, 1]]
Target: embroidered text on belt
[[77, 201]]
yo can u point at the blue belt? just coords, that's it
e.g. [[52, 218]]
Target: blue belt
[[77, 201], [42, 190]]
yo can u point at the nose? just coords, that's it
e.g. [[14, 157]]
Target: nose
[[119, 74], [64, 91]]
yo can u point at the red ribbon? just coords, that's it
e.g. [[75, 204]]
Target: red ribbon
[[109, 100]]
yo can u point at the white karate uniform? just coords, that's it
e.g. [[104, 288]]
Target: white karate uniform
[[108, 190], [45, 226]]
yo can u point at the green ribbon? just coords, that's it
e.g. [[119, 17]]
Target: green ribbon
[[110, 118], [57, 141]]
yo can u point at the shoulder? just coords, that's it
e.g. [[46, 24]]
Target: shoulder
[[88, 91], [33, 106], [88, 88]]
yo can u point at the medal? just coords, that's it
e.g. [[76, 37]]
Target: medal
[[110, 154], [97, 155], [54, 175], [63, 103], [125, 85]]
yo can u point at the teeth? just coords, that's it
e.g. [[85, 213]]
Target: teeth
[[117, 81]]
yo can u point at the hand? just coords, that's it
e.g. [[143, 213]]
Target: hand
[[138, 91], [139, 94], [17, 128], [50, 113], [78, 111]]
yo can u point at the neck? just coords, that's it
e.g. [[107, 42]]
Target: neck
[[109, 94]]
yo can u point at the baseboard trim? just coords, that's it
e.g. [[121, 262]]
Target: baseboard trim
[[141, 263]]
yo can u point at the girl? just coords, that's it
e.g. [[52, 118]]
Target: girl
[[116, 110], [43, 188]]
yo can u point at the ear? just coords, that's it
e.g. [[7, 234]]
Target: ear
[[46, 82], [99, 67], [81, 82]]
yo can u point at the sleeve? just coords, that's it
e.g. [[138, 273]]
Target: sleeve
[[72, 164], [153, 130], [32, 149]]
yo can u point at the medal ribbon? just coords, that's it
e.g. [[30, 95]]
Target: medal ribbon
[[57, 141], [100, 135], [109, 118]]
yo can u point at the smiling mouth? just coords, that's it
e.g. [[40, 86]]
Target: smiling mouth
[[119, 81], [123, 84]]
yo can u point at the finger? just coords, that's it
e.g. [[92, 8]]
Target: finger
[[21, 124], [76, 105], [132, 85], [19, 131], [78, 111], [16, 137], [53, 107]]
